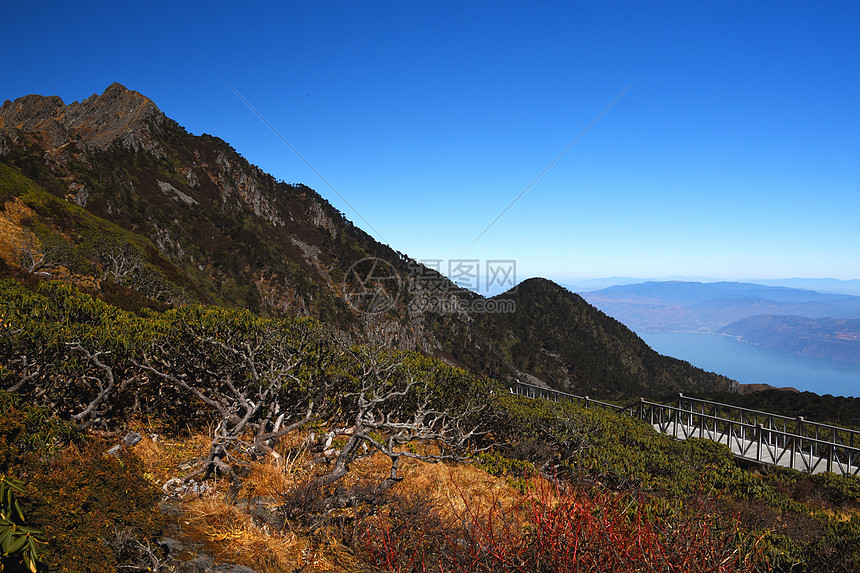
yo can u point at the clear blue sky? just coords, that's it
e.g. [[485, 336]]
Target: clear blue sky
[[735, 153]]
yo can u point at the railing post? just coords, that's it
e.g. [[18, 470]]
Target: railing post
[[689, 419], [678, 416], [802, 433], [760, 431], [586, 402], [793, 451]]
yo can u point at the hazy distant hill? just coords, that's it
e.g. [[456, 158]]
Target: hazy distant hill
[[835, 286], [820, 337], [707, 307], [822, 285]]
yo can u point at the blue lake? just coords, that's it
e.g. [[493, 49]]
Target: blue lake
[[751, 364]]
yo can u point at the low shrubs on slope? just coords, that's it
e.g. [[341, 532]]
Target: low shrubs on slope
[[245, 386]]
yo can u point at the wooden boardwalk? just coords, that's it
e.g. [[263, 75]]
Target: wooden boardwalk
[[752, 435]]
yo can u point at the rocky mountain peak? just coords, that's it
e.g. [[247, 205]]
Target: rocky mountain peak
[[118, 114]]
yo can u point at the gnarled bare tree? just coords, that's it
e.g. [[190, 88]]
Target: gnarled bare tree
[[40, 255], [399, 401], [262, 378]]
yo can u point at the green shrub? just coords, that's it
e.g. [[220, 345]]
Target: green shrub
[[839, 488], [498, 465], [83, 498], [19, 544], [29, 431]]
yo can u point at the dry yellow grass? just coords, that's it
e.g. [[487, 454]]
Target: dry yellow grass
[[231, 535], [164, 458], [454, 487], [15, 238], [12, 232]]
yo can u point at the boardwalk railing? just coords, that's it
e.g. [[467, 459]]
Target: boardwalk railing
[[750, 434], [531, 391]]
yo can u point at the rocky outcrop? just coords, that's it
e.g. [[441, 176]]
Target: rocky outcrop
[[117, 115]]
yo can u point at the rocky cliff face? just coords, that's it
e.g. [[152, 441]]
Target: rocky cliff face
[[200, 203], [117, 115], [225, 232]]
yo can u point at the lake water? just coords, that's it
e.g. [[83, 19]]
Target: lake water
[[751, 364]]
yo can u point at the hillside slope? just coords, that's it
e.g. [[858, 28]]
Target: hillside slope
[[820, 337], [559, 337], [206, 225]]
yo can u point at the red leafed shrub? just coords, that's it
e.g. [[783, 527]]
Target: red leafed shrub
[[556, 531]]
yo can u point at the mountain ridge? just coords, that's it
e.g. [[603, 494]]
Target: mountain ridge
[[612, 347], [234, 235], [707, 307]]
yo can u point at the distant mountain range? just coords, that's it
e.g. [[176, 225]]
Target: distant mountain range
[[826, 285], [822, 285], [800, 321]]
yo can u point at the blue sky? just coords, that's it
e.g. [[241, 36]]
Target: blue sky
[[735, 154]]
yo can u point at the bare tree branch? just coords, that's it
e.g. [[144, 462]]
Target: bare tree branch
[[246, 375], [90, 411], [26, 374], [394, 408]]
